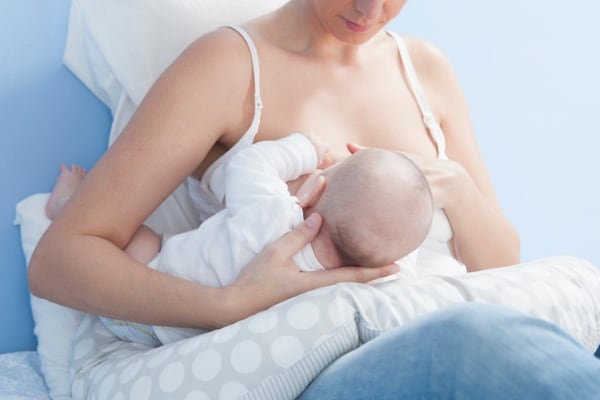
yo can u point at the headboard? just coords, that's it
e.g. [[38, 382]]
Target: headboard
[[47, 117]]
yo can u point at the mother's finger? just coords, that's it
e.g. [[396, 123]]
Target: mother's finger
[[353, 147], [292, 242], [350, 274]]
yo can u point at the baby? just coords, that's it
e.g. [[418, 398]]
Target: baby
[[376, 207]]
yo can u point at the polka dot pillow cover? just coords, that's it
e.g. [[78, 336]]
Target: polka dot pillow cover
[[275, 354]]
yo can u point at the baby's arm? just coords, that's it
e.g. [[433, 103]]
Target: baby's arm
[[261, 170]]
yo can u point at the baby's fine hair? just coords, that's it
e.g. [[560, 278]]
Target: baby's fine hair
[[377, 207]]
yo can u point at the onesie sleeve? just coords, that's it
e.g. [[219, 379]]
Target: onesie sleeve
[[259, 172]]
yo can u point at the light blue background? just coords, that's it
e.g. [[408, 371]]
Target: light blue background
[[47, 117], [529, 70]]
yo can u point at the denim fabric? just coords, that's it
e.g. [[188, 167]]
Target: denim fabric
[[471, 351]]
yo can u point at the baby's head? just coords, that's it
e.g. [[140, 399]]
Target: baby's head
[[376, 208]]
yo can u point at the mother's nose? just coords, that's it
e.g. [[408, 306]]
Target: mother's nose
[[371, 9]]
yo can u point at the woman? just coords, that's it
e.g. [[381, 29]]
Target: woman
[[321, 66]]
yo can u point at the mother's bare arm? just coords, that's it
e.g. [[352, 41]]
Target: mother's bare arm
[[79, 261], [483, 238]]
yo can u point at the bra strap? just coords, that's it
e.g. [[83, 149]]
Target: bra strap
[[416, 88], [258, 104]]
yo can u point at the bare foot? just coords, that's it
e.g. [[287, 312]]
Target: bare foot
[[67, 182]]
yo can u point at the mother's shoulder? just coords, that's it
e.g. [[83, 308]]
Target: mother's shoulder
[[422, 50], [220, 56], [427, 58], [221, 44]]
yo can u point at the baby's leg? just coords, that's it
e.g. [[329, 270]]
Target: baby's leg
[[66, 184]]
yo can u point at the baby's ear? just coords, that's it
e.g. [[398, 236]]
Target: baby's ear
[[311, 190]]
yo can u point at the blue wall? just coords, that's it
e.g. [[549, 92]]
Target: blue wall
[[46, 117], [530, 72]]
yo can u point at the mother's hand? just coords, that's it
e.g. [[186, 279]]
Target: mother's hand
[[273, 277], [481, 236], [448, 180]]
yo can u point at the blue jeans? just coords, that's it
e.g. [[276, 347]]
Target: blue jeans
[[471, 351]]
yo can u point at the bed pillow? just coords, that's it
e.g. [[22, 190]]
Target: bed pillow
[[54, 324]]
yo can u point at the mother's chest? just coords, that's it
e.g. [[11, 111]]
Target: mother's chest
[[382, 118]]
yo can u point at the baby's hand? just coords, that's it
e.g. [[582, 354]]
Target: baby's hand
[[321, 148]]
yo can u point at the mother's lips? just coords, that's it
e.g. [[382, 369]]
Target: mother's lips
[[354, 27]]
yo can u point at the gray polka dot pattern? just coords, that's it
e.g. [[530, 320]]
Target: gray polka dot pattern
[[276, 353]]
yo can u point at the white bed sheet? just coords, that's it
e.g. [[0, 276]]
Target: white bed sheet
[[21, 377]]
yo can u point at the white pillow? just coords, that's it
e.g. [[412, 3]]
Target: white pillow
[[54, 324], [118, 48]]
